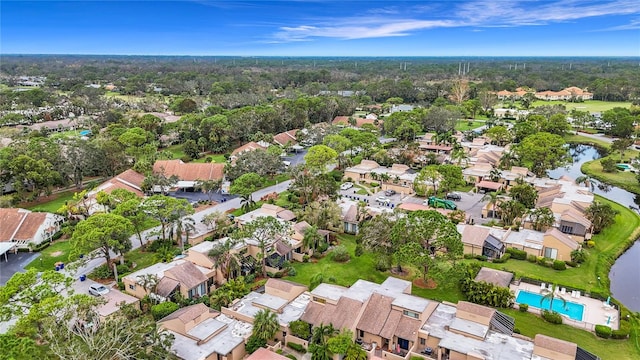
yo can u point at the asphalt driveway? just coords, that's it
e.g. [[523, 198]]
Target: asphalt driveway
[[15, 263]]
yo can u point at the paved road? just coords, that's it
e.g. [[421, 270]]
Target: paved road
[[600, 137], [15, 263], [235, 203]]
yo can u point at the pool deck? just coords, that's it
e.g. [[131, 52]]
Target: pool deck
[[595, 313]]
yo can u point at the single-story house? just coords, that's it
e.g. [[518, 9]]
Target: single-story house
[[558, 246], [287, 138], [495, 277], [129, 180], [482, 240], [27, 229], [189, 174]]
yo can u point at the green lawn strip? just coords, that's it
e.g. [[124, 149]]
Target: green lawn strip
[[463, 125], [530, 324], [140, 258], [278, 179], [589, 105], [579, 139], [46, 260], [53, 205], [176, 151], [623, 179]]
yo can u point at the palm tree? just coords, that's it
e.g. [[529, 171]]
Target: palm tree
[[150, 283], [508, 160], [355, 352], [318, 345], [265, 324], [225, 259], [312, 238], [384, 177], [492, 199], [551, 296], [247, 202], [592, 183], [459, 155], [541, 218], [184, 226], [510, 211], [495, 174]]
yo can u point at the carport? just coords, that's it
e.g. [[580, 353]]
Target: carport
[[488, 185], [5, 247]]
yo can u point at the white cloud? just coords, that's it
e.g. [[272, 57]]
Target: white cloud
[[390, 22], [633, 25]]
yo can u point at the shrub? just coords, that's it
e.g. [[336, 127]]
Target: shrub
[[503, 259], [523, 307], [254, 343], [590, 244], [481, 257], [559, 265], [102, 272], [291, 271], [382, 265], [468, 256], [300, 329], [374, 184], [516, 331], [297, 347], [186, 158], [340, 254], [578, 256], [163, 309], [603, 331], [123, 269], [571, 263], [532, 258], [623, 332], [517, 253], [305, 258], [359, 250], [158, 244], [292, 357], [552, 317]]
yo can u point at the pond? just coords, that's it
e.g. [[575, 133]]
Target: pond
[[625, 283]]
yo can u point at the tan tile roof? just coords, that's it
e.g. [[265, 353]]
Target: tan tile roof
[[166, 286], [283, 285], [250, 146], [312, 313], [187, 274], [301, 227], [189, 313], [131, 177], [264, 354], [287, 137], [342, 315], [375, 314], [563, 238], [475, 235], [282, 247], [575, 216], [29, 227], [286, 215], [189, 171], [554, 344], [19, 224], [483, 311]]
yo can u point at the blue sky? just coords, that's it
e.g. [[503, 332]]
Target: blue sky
[[323, 28]]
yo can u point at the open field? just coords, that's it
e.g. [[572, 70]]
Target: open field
[[589, 105], [463, 125], [58, 251]]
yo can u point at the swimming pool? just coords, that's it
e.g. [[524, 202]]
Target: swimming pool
[[571, 309]]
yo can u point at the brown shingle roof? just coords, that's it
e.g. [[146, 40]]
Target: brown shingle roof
[[287, 137], [187, 274], [496, 277], [407, 327], [351, 216], [282, 285], [131, 177], [389, 327], [189, 171], [375, 314], [475, 309], [286, 215], [10, 220], [250, 146], [342, 315], [563, 238], [189, 313], [554, 344], [474, 235], [575, 216], [30, 226], [166, 286]]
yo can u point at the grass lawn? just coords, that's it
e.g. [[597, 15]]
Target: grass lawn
[[608, 245], [530, 325], [141, 258], [624, 179], [363, 267], [589, 105], [579, 139], [58, 251], [176, 151], [216, 158], [276, 179], [463, 125], [54, 204]]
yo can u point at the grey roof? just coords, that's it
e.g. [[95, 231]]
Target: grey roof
[[222, 343], [291, 311], [328, 291], [270, 301], [496, 277], [206, 328], [411, 302], [469, 327], [495, 346]]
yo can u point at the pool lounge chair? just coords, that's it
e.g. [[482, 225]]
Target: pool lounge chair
[[563, 291], [543, 287]]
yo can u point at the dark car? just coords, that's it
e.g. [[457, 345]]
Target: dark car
[[454, 196], [390, 192]]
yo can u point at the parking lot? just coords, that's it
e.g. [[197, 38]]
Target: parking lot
[[15, 263], [469, 202]]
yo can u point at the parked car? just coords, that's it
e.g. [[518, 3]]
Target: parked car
[[390, 192], [383, 199], [454, 196], [346, 186], [98, 289]]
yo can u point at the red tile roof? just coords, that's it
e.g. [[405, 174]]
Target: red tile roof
[[189, 171], [19, 224], [250, 146], [287, 137]]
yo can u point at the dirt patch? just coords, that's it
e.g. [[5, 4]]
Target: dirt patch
[[202, 207], [428, 284], [403, 273], [56, 253]]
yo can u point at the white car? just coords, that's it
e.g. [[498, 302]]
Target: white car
[[346, 186], [382, 199], [98, 289]]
